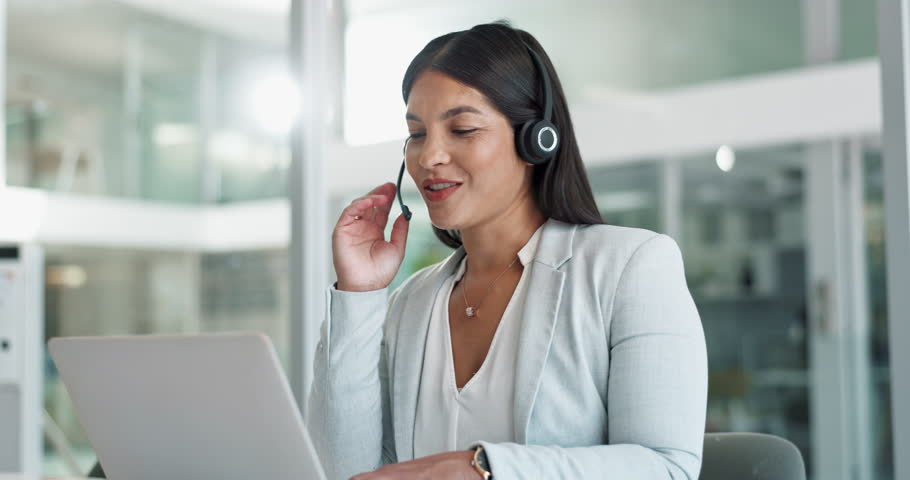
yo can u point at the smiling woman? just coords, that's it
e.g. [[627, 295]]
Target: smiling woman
[[548, 345], [469, 148]]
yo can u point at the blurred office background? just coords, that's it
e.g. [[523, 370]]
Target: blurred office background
[[749, 131]]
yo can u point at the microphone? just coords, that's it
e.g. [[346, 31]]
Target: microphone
[[404, 208]]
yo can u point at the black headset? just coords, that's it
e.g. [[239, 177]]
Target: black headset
[[404, 208], [537, 141]]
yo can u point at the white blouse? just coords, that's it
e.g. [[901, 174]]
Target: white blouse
[[448, 418]]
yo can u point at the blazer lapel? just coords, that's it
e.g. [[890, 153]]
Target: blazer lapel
[[544, 294], [407, 367]]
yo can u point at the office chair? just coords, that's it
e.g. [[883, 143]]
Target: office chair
[[752, 456]]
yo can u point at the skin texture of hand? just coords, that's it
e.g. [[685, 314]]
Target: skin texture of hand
[[444, 466], [363, 259]]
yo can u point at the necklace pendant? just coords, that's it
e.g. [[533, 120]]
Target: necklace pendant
[[470, 311]]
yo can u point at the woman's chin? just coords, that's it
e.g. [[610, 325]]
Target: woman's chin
[[444, 226], [444, 222]]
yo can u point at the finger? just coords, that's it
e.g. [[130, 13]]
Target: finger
[[399, 236], [382, 211], [387, 189], [366, 197], [364, 205], [358, 209], [383, 189]]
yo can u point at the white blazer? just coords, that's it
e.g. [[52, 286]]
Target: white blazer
[[611, 377]]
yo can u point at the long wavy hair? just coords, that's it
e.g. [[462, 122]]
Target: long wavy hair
[[494, 59]]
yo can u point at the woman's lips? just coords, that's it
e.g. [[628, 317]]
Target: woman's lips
[[440, 195]]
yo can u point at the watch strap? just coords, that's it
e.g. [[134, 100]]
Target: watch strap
[[480, 463]]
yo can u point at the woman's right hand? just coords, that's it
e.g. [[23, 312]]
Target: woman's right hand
[[363, 259]]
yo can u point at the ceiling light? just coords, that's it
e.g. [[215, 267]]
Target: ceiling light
[[725, 158]]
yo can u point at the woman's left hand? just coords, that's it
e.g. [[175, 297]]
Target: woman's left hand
[[444, 466]]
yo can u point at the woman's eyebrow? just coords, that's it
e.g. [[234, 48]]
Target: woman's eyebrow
[[458, 111], [448, 113]]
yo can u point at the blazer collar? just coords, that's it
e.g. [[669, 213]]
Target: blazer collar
[[554, 249], [555, 246]]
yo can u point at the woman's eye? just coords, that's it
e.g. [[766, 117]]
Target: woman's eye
[[464, 131], [416, 135]]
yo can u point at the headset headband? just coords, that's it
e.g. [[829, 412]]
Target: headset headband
[[542, 70]]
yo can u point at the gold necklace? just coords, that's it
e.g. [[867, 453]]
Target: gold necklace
[[472, 311]]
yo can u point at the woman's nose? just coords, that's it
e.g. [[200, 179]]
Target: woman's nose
[[433, 154]]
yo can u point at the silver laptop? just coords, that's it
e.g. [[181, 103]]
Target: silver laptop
[[211, 406]]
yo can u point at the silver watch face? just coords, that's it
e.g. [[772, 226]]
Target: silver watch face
[[482, 459]]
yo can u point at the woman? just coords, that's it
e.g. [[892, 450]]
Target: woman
[[548, 345]]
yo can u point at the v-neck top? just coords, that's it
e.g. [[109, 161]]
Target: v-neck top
[[449, 418]]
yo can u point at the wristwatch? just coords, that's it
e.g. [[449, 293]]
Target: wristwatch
[[480, 463]]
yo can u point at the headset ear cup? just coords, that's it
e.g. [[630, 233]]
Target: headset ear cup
[[537, 141], [543, 140], [523, 145]]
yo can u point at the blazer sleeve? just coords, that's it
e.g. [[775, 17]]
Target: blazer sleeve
[[348, 410], [657, 390]]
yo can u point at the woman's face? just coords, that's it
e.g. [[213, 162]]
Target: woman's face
[[457, 137]]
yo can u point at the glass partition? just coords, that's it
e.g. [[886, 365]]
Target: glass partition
[[744, 247], [95, 291], [143, 106], [880, 431], [629, 194], [858, 30]]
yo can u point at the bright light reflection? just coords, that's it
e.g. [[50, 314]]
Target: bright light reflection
[[725, 158], [275, 102], [167, 134]]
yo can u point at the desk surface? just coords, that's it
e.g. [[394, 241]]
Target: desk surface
[[21, 476]]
